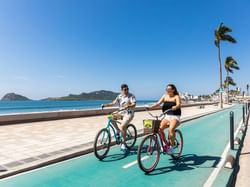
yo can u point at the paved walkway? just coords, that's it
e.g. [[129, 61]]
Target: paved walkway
[[243, 176], [25, 145]]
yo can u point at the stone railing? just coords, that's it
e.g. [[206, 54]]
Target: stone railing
[[55, 115]]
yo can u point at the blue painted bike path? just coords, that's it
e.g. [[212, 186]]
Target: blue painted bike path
[[204, 141]]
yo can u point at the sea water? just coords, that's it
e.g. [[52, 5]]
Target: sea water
[[10, 107]]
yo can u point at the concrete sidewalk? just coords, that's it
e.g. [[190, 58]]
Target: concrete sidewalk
[[30, 144], [243, 176]]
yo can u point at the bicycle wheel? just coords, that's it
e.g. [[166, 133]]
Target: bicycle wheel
[[102, 143], [178, 144], [148, 153], [131, 135]]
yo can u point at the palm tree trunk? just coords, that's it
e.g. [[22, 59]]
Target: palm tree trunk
[[219, 58], [228, 89]]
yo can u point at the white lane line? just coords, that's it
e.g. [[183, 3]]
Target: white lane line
[[134, 163], [216, 170]]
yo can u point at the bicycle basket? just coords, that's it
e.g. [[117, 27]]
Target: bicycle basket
[[151, 126]]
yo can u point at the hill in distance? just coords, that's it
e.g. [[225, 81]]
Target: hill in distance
[[14, 97], [96, 95]]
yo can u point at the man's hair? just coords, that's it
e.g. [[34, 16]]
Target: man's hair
[[124, 86]]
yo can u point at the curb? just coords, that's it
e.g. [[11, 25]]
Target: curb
[[227, 175], [233, 176]]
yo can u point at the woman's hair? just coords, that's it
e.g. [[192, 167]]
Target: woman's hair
[[174, 88]]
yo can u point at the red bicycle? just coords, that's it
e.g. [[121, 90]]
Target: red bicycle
[[149, 150]]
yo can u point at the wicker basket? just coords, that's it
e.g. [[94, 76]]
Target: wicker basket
[[151, 126]]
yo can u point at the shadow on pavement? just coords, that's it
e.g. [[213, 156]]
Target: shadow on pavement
[[120, 156], [187, 162]]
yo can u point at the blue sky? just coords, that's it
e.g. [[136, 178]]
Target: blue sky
[[57, 47]]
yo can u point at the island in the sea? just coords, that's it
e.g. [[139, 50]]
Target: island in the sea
[[96, 95], [14, 97]]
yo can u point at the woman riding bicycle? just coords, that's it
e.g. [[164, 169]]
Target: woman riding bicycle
[[170, 100]]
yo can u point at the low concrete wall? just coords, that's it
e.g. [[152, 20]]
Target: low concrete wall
[[45, 116]]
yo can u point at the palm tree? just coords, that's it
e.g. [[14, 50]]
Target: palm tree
[[221, 34], [230, 65], [234, 92], [229, 81]]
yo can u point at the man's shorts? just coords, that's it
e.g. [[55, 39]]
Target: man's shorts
[[127, 118]]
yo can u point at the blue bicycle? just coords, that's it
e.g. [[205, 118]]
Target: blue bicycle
[[104, 140]]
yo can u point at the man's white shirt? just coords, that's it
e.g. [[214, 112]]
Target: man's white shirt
[[124, 100]]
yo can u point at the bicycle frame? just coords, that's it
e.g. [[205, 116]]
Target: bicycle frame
[[111, 126], [162, 138], [157, 137], [163, 141]]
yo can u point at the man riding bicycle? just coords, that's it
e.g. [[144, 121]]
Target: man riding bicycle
[[127, 103]]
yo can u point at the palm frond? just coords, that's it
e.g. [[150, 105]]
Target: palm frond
[[225, 85], [227, 37], [235, 67], [217, 38], [229, 70], [216, 43], [229, 58], [230, 64], [224, 29], [229, 81], [233, 83]]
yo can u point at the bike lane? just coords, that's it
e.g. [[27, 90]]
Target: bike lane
[[204, 141]]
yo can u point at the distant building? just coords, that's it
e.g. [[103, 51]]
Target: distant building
[[195, 97], [189, 97], [215, 98]]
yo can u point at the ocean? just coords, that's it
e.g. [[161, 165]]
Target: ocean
[[11, 107]]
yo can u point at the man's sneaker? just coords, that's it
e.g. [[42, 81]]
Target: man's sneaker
[[123, 147], [170, 150]]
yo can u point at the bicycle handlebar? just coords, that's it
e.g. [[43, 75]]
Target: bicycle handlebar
[[154, 116], [119, 110]]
